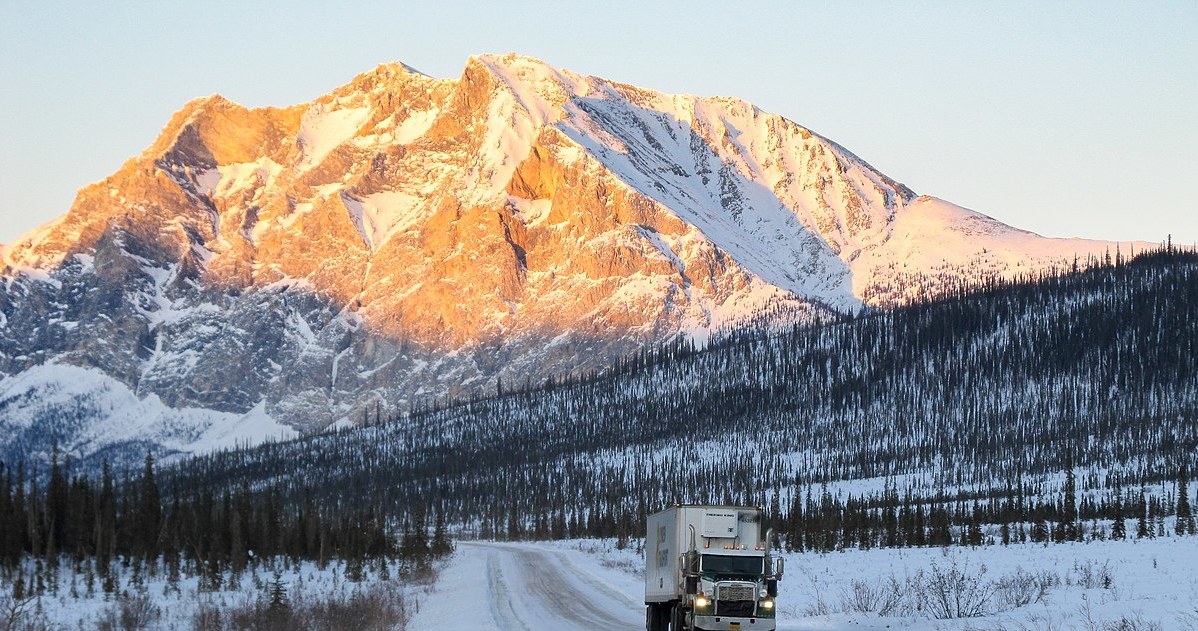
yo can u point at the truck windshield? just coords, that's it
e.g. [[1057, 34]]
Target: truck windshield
[[723, 564]]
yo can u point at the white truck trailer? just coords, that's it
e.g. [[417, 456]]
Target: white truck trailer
[[709, 568]]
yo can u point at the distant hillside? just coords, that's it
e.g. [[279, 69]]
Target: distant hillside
[[1098, 369]]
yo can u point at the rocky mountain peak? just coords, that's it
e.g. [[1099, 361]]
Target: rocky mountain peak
[[405, 237]]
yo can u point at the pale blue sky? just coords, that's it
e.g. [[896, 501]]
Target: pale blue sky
[[1070, 119]]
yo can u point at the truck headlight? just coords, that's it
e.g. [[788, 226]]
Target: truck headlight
[[702, 602], [767, 604]]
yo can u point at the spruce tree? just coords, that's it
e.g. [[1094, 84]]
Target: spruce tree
[[890, 522], [1040, 530], [975, 533], [1185, 516], [237, 549], [149, 512], [20, 520], [1069, 528], [514, 529], [941, 529], [1119, 528], [105, 526], [56, 503], [1143, 528], [441, 545], [7, 554], [279, 605], [919, 534]]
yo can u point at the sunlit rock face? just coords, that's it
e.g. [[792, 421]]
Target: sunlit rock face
[[406, 238]]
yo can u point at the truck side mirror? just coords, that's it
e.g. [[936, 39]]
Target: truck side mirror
[[692, 585], [781, 566], [771, 587]]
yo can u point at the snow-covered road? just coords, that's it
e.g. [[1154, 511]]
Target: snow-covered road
[[514, 587]]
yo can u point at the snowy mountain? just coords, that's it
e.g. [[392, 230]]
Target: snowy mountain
[[405, 238]]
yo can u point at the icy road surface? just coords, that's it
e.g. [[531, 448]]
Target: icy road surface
[[515, 587]]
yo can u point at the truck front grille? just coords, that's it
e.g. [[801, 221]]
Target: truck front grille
[[737, 592], [734, 608]]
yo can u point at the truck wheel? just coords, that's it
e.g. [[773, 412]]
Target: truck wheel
[[663, 615], [678, 619], [653, 618]]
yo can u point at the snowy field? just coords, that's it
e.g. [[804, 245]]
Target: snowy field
[[590, 584], [154, 603], [1085, 586], [1128, 585]]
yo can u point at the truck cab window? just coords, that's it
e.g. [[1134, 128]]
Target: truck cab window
[[726, 564]]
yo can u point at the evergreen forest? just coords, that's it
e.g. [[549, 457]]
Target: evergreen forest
[[1032, 405]]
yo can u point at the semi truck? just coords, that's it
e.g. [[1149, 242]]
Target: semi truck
[[709, 568]]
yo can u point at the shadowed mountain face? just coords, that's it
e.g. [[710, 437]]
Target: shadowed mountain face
[[403, 238]]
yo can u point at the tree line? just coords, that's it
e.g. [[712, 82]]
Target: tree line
[[1018, 513], [108, 528]]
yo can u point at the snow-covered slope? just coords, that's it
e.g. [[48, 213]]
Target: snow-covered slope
[[99, 412], [405, 238]]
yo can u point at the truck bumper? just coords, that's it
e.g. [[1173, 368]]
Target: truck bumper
[[729, 623]]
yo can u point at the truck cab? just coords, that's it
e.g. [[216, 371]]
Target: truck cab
[[709, 568]]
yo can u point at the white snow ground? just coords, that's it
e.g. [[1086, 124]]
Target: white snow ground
[[589, 584], [1153, 584], [72, 605]]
